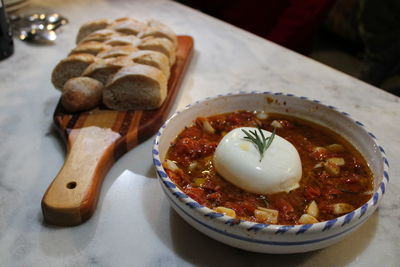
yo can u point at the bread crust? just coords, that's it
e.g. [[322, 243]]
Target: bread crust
[[128, 26], [100, 36], [162, 45], [102, 69], [118, 51], [70, 67], [81, 93], [152, 58], [90, 27], [157, 29], [92, 48], [122, 40], [135, 87]]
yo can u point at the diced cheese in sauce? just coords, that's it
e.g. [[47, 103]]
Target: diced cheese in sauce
[[238, 161]]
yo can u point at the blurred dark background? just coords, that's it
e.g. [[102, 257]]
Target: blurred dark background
[[358, 37]]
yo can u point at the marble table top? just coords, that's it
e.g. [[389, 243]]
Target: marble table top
[[134, 224]]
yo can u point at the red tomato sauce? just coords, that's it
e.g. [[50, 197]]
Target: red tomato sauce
[[350, 183]]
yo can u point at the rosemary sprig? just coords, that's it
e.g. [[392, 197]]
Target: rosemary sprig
[[261, 142], [348, 191]]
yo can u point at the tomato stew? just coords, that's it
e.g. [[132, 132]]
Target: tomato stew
[[335, 181]]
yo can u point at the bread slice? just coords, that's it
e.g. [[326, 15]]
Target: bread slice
[[100, 36], [128, 26], [136, 87], [81, 93], [152, 58], [102, 69], [92, 48], [158, 30], [122, 19], [90, 27], [123, 40], [70, 67], [162, 45], [118, 51]]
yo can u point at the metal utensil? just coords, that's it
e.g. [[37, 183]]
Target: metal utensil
[[38, 28], [38, 36]]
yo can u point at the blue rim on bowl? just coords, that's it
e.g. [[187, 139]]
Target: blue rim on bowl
[[224, 228]]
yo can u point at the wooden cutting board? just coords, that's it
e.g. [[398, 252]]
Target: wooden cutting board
[[95, 140]]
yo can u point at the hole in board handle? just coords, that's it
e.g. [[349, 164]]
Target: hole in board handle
[[71, 185]]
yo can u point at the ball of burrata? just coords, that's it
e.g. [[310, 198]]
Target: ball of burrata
[[237, 160]]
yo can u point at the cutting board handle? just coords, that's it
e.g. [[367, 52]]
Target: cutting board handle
[[72, 197]]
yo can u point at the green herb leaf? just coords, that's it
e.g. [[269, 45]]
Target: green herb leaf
[[348, 191], [261, 142]]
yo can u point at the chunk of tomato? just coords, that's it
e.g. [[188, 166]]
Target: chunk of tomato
[[196, 193], [311, 192], [283, 205]]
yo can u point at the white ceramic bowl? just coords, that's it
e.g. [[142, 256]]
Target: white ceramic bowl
[[267, 238]]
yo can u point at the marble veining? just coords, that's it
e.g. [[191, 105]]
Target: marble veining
[[129, 228]]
